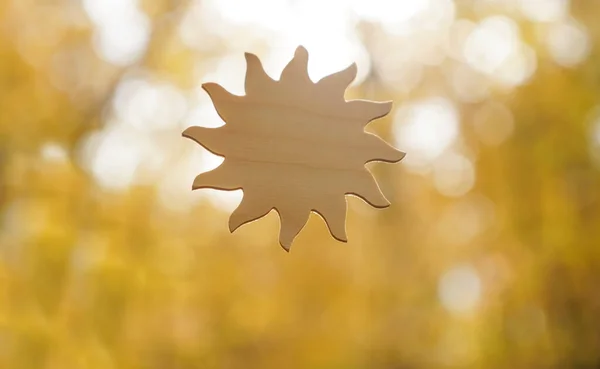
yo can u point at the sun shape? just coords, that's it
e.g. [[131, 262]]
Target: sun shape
[[294, 146]]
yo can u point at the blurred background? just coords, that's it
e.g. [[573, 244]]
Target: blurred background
[[489, 256]]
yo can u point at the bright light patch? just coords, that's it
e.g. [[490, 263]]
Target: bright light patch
[[114, 156], [440, 15], [518, 68], [491, 43], [202, 28], [401, 76], [459, 289], [327, 56], [426, 129], [457, 36], [229, 73], [331, 37], [568, 43], [495, 48], [453, 175], [409, 17], [53, 152], [544, 10], [270, 14], [469, 85], [149, 106], [204, 115], [122, 30], [389, 12], [331, 40]]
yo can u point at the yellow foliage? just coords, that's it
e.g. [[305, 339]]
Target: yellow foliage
[[487, 258]]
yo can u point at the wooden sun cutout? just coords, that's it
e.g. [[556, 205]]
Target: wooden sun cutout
[[294, 146]]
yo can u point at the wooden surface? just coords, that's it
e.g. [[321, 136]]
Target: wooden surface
[[294, 146]]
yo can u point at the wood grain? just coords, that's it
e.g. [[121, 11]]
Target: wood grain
[[294, 146]]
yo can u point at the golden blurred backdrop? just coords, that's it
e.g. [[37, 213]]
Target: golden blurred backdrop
[[489, 256]]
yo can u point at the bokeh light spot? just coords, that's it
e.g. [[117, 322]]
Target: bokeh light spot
[[459, 289], [453, 175], [115, 155], [544, 10], [426, 129], [568, 43], [122, 29], [491, 43], [54, 152], [148, 105]]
